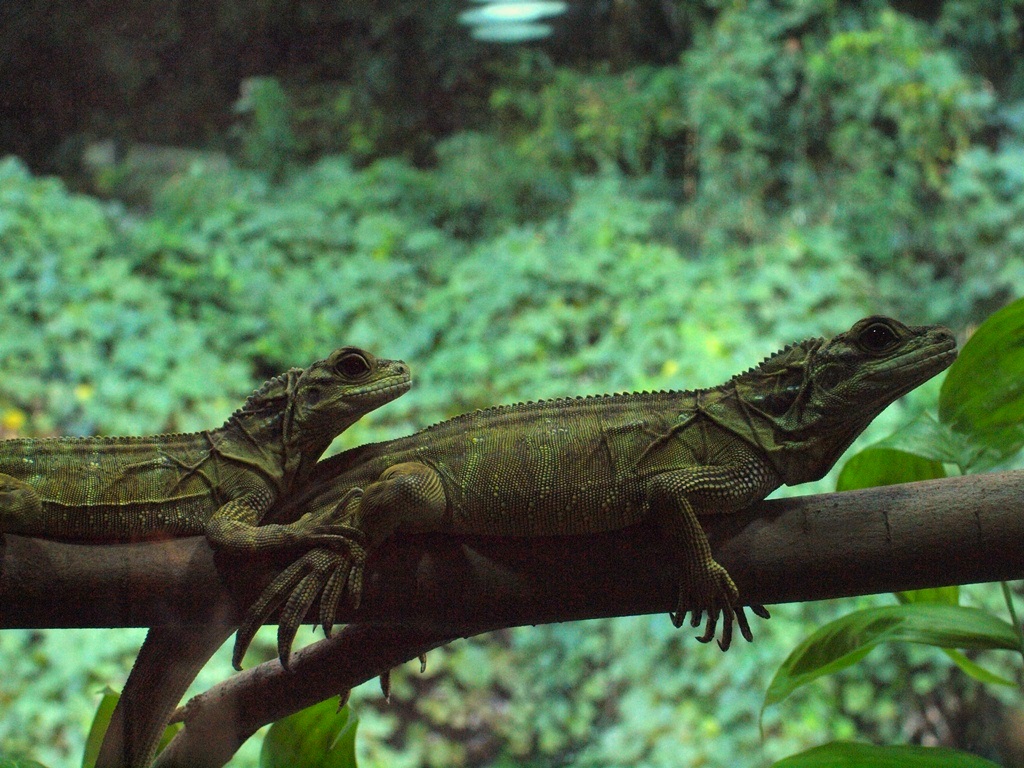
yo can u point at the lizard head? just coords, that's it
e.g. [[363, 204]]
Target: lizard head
[[334, 393], [807, 403]]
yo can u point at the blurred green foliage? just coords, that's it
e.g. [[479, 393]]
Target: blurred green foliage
[[517, 224]]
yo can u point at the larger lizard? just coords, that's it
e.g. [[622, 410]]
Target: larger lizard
[[218, 482], [584, 465]]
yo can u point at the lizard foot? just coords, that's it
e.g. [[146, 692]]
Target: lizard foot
[[330, 527], [736, 613], [323, 572], [715, 594]]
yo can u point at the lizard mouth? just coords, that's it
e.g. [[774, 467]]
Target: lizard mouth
[[922, 364], [399, 383]]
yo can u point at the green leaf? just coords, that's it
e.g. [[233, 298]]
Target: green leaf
[[319, 736], [977, 671], [845, 754], [983, 393], [951, 596], [876, 466], [929, 438], [934, 596], [167, 735], [100, 722], [11, 762], [849, 639]]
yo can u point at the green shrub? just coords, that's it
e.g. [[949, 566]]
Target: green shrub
[[87, 345]]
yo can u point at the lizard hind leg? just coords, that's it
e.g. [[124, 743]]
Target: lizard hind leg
[[704, 585], [409, 496]]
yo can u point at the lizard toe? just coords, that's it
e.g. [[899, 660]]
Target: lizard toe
[[293, 613], [709, 628], [271, 597], [727, 621], [332, 593]]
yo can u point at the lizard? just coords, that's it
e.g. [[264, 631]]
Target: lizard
[[216, 482], [575, 466], [219, 483]]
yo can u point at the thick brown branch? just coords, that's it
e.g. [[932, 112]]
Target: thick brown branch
[[929, 534], [219, 721], [957, 530], [926, 534]]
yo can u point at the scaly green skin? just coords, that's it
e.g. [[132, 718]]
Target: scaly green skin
[[217, 482], [585, 465], [276, 438]]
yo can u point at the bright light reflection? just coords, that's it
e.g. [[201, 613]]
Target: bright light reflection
[[502, 12]]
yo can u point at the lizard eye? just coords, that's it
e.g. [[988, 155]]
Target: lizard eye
[[352, 365], [878, 337]]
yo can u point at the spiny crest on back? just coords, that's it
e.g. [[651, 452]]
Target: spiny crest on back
[[789, 357], [786, 359], [545, 403], [270, 393]]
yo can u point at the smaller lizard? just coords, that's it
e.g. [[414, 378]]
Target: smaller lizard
[[218, 482], [584, 465]]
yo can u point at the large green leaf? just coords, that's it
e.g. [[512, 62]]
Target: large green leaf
[[930, 438], [876, 466], [951, 596], [11, 762], [845, 754], [932, 596], [983, 393], [847, 640], [321, 736]]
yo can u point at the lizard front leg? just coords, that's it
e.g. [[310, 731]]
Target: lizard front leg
[[236, 526], [408, 495], [676, 498]]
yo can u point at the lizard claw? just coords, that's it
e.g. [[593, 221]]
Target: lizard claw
[[759, 610], [741, 620], [292, 614], [709, 628], [286, 581], [729, 614], [726, 640], [343, 698]]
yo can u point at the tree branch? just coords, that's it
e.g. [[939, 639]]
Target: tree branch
[[929, 534], [219, 721], [950, 531]]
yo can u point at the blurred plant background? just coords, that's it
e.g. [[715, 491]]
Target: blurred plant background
[[198, 196]]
